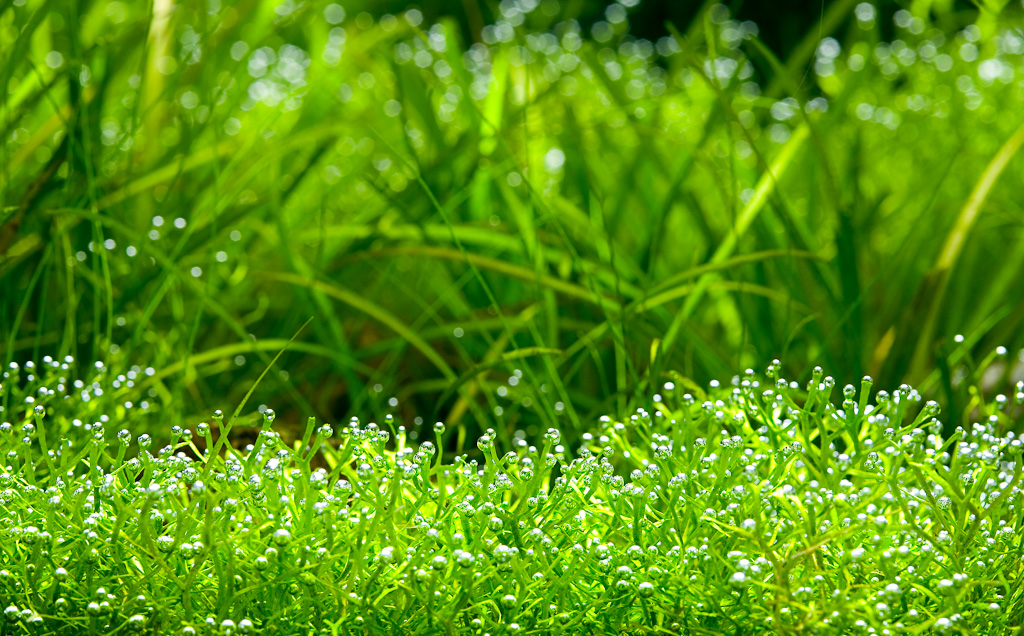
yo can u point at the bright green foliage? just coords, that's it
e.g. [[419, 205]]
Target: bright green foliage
[[512, 236], [589, 208], [756, 507]]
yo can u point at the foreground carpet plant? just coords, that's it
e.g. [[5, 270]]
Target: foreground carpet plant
[[760, 506]]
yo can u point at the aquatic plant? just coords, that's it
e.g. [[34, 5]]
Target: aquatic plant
[[755, 506]]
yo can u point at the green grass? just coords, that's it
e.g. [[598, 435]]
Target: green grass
[[753, 507], [540, 227], [591, 213]]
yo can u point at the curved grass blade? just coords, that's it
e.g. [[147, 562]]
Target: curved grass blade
[[249, 393], [937, 280], [370, 309]]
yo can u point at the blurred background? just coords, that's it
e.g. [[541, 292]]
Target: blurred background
[[782, 25], [513, 214]]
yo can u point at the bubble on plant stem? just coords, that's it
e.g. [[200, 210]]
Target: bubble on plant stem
[[439, 428], [282, 537]]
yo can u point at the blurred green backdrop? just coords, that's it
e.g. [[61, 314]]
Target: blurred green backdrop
[[502, 215]]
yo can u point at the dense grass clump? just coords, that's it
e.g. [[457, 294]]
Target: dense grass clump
[[756, 506], [187, 185]]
